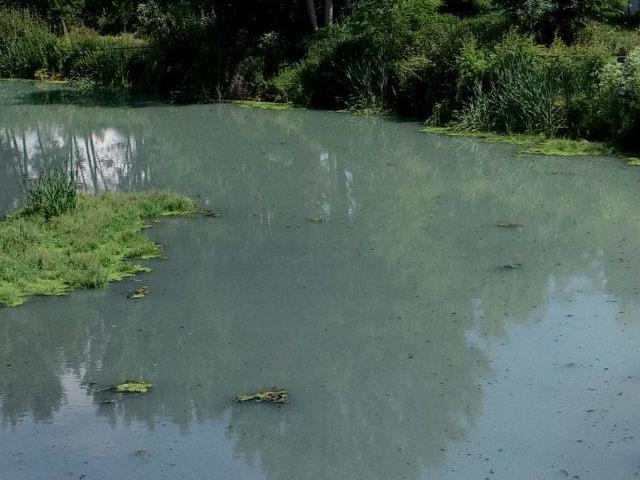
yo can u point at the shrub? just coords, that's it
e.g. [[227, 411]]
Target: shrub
[[26, 44], [617, 102], [106, 60]]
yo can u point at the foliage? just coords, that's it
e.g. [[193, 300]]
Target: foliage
[[85, 248], [545, 18], [29, 49], [555, 67], [26, 44]]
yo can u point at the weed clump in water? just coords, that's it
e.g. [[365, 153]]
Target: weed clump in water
[[52, 193], [50, 248]]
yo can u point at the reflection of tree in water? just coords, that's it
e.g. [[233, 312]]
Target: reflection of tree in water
[[105, 150], [382, 374]]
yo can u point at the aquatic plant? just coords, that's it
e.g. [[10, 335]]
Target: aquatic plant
[[133, 386], [84, 248], [270, 396], [52, 193], [538, 144]]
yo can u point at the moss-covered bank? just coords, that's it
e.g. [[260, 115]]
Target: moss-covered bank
[[88, 248], [539, 144]]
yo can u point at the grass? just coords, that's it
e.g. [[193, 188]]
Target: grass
[[52, 194], [538, 144], [88, 247]]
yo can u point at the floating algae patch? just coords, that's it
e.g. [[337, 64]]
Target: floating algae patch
[[503, 224], [538, 144], [139, 292], [275, 396], [87, 248], [279, 107], [133, 386]]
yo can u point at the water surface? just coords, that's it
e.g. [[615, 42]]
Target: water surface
[[407, 351]]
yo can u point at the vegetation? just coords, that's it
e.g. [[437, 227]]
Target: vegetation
[[557, 68], [538, 144], [56, 245], [51, 194]]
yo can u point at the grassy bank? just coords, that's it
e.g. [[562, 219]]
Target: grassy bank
[[539, 144], [87, 246]]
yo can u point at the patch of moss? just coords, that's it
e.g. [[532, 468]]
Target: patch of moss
[[279, 107], [88, 248], [538, 145]]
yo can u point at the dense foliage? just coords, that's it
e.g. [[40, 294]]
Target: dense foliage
[[554, 67]]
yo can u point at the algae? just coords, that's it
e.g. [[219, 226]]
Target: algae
[[274, 106], [539, 144], [275, 396], [133, 386], [139, 292], [95, 244], [502, 224]]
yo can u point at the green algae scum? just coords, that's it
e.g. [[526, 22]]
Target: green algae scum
[[95, 244]]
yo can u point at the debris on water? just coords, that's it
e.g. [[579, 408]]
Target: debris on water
[[508, 224], [141, 452], [210, 213], [513, 266], [275, 396], [133, 386], [316, 220], [139, 292]]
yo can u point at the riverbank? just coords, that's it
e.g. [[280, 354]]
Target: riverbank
[[88, 247], [481, 71]]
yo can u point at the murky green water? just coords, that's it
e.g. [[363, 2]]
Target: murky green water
[[407, 351]]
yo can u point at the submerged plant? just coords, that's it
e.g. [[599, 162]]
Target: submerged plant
[[52, 193]]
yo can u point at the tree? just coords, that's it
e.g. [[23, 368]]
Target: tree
[[548, 18], [328, 12], [311, 9], [65, 12]]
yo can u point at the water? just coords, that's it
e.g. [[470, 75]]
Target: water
[[408, 353]]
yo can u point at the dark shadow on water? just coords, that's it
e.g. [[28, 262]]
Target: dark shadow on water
[[95, 97]]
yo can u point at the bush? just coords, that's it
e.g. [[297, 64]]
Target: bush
[[585, 90], [617, 103], [106, 60], [26, 44], [28, 49]]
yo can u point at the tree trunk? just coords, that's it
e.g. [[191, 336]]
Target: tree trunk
[[328, 13], [64, 27], [311, 8]]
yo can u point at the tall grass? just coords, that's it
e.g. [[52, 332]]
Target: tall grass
[[369, 81], [26, 44], [28, 49], [52, 193], [520, 98]]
